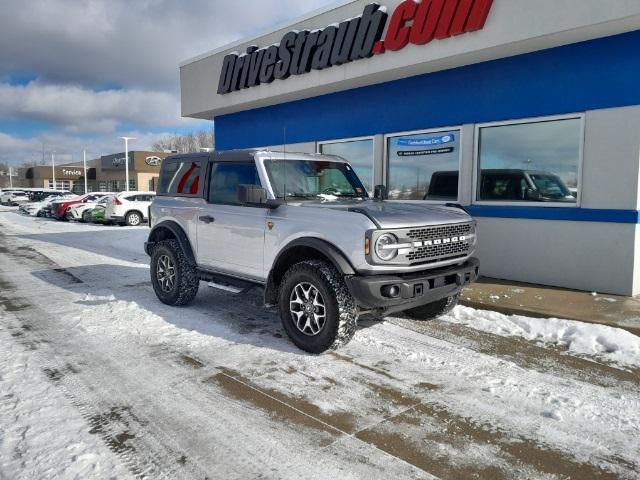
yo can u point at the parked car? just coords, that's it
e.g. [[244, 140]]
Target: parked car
[[43, 194], [305, 230], [7, 196], [129, 208], [60, 208], [524, 186], [36, 209], [506, 185], [14, 199], [97, 214], [80, 212]]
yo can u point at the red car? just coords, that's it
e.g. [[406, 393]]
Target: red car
[[60, 208]]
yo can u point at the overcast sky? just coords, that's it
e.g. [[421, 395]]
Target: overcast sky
[[78, 74]]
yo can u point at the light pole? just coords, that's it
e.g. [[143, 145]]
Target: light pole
[[126, 157], [53, 168], [10, 178], [84, 161]]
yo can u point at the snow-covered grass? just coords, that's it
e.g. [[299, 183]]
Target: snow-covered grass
[[601, 341]]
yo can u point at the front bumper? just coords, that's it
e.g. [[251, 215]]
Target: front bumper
[[415, 289]]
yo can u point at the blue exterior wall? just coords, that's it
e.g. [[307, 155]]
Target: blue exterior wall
[[590, 75], [596, 74]]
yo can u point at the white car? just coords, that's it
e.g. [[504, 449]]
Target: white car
[[80, 211], [129, 208], [14, 198], [36, 209], [7, 196]]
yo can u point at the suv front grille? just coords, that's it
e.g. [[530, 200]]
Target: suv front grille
[[450, 248], [443, 231], [439, 252]]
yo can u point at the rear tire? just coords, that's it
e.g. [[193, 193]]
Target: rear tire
[[174, 278], [133, 219], [316, 308], [86, 217], [433, 310]]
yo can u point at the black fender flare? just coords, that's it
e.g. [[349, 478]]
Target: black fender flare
[[328, 250], [177, 232]]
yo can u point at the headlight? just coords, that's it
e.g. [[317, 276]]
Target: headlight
[[382, 247]]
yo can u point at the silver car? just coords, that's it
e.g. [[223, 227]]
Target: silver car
[[304, 228]]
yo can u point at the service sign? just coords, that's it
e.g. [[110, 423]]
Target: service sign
[[299, 52]]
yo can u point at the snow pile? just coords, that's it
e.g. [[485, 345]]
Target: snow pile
[[608, 343]]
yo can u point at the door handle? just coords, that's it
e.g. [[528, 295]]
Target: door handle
[[207, 219]]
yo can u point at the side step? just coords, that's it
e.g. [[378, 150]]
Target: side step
[[226, 288], [223, 282]]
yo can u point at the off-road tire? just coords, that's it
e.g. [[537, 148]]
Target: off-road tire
[[130, 219], [433, 310], [187, 280], [341, 311]]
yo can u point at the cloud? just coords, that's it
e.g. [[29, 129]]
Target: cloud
[[127, 43], [79, 109]]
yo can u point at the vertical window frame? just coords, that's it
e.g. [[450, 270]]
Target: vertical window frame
[[355, 139], [387, 163], [523, 121]]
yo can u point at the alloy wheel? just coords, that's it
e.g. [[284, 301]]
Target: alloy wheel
[[134, 219], [307, 308], [166, 273]]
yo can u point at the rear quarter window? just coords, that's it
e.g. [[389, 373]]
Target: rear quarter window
[[182, 177]]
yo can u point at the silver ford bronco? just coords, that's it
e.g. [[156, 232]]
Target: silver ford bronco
[[304, 228]]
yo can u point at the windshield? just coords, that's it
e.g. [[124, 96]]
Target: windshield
[[550, 186], [311, 178]]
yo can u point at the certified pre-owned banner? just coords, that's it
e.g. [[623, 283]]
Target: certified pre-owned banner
[[299, 52], [426, 142]]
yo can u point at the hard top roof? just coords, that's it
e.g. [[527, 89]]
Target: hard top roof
[[248, 155]]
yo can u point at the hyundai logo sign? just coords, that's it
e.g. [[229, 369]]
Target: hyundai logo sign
[[153, 161]]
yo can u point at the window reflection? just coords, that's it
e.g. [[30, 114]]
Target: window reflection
[[530, 162], [359, 154], [424, 166]]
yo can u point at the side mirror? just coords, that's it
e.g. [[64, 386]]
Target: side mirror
[[255, 196], [380, 193], [532, 195]]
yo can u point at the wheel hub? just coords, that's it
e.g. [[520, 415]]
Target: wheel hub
[[307, 308], [166, 273]]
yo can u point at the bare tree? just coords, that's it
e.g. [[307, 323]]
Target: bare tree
[[186, 143]]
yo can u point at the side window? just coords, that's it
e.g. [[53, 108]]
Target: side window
[[225, 179], [181, 177]]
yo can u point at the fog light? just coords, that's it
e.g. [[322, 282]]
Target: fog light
[[391, 291]]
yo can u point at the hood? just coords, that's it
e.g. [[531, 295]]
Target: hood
[[396, 214]]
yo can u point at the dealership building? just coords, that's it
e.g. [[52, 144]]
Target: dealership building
[[526, 113], [104, 174]]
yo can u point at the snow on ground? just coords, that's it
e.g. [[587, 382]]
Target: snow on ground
[[601, 341], [43, 435], [216, 389]]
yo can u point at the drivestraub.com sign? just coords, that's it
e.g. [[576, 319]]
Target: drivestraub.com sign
[[300, 52]]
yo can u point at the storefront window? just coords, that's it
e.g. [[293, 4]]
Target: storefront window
[[424, 166], [530, 162], [359, 154]]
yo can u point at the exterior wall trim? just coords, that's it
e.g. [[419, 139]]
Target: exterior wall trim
[[571, 214]]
